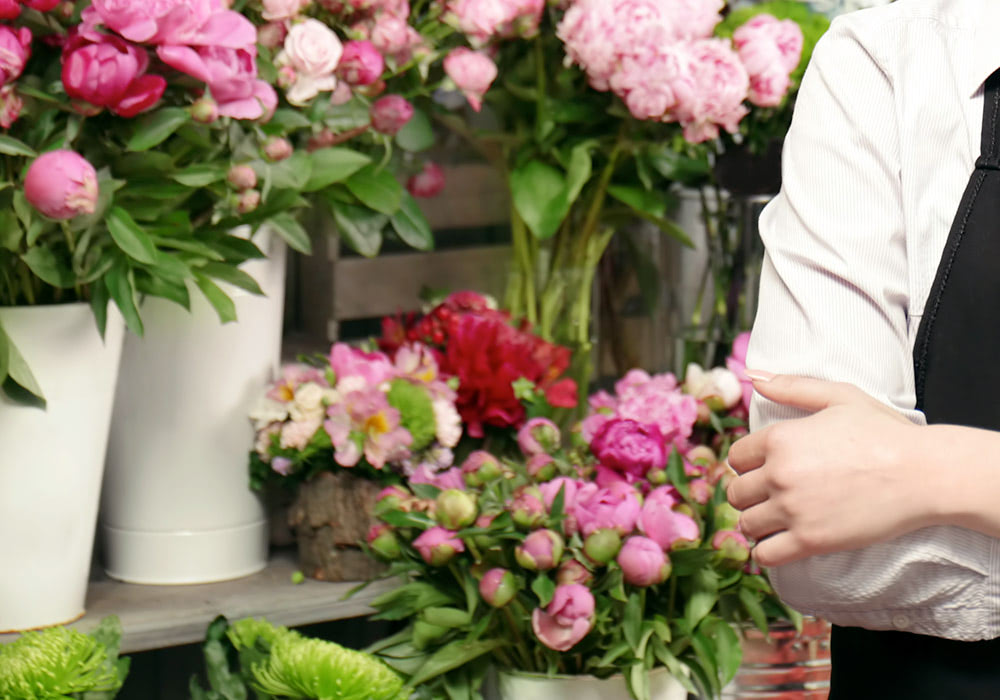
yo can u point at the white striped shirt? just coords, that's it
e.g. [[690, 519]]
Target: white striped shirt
[[884, 139]]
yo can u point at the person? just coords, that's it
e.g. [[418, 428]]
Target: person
[[871, 476]]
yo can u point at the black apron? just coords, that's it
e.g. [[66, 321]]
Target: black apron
[[956, 361]]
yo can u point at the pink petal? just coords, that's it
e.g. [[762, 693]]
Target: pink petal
[[556, 636]]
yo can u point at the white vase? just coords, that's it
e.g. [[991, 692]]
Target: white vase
[[531, 686], [176, 506], [51, 461]]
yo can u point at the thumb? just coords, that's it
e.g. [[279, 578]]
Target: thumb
[[806, 393]]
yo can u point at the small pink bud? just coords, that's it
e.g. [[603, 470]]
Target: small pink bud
[[429, 182], [498, 587], [540, 551], [480, 467], [700, 490], [389, 114], [438, 546], [205, 110], [602, 546], [732, 547], [572, 571], [701, 454], [277, 148], [383, 541], [392, 498], [242, 177], [527, 507], [455, 509], [61, 184], [361, 63], [541, 467], [643, 562], [323, 139], [247, 201], [286, 77], [538, 435]]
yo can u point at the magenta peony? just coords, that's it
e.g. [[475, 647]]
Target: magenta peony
[[111, 74], [472, 72], [567, 619], [643, 562], [61, 184], [15, 48], [630, 447]]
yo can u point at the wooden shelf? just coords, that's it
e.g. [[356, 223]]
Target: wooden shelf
[[154, 617]]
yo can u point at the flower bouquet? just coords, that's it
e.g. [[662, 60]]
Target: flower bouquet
[[609, 553]]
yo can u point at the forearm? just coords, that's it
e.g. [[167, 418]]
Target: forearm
[[956, 476]]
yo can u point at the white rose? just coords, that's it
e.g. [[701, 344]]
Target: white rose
[[448, 424], [312, 49], [308, 403]]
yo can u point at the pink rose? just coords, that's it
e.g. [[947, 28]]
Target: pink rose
[[392, 36], [172, 23], [630, 447], [61, 184], [643, 562], [567, 619], [278, 10], [389, 114], [473, 73], [438, 546], [231, 75], [616, 508], [665, 526], [538, 435], [10, 106], [111, 74], [313, 52], [15, 48], [429, 182], [540, 551], [372, 367], [361, 63]]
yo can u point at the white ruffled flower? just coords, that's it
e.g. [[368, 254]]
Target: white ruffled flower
[[266, 411], [448, 424], [717, 387], [308, 403], [297, 434]]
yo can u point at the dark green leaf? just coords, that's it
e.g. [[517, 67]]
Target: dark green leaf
[[291, 231], [155, 128], [199, 175], [544, 588], [704, 594], [12, 147], [400, 519], [641, 200], [632, 621], [426, 491], [665, 657], [706, 656], [130, 238], [25, 212], [121, 286], [685, 562], [729, 653], [288, 119], [361, 227], [11, 232], [752, 606], [330, 165], [219, 300], [377, 189], [163, 288], [99, 299], [18, 380], [291, 173], [232, 275], [535, 188], [676, 474], [417, 134], [188, 245], [49, 267], [411, 225], [613, 654], [451, 656]]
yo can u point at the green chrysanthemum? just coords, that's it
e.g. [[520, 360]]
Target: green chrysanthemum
[[300, 667], [246, 632], [416, 413], [58, 663]]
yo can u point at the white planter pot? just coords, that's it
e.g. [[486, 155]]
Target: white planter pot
[[51, 462], [176, 506], [529, 686]]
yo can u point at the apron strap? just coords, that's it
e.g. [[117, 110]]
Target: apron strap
[[989, 158]]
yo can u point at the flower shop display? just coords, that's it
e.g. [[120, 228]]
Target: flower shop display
[[338, 432], [64, 663], [275, 662], [608, 552]]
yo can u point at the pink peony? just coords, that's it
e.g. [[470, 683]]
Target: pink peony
[[630, 447], [231, 75], [10, 106], [573, 491], [643, 562], [111, 74], [389, 114], [61, 184], [15, 48], [448, 479], [429, 182], [313, 51], [361, 63], [371, 368], [665, 526], [438, 546], [172, 23], [278, 10], [540, 551], [770, 49], [481, 20], [615, 508], [723, 84], [737, 364], [567, 619], [473, 72]]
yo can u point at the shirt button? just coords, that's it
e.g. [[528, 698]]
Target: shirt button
[[900, 621]]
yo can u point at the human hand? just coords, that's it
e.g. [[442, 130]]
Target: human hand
[[835, 480]]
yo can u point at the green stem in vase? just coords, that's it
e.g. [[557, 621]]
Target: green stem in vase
[[522, 651], [524, 281]]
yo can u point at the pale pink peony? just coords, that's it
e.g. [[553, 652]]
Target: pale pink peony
[[61, 184], [473, 72], [482, 20], [15, 48], [172, 23], [313, 51], [643, 562], [770, 49], [279, 10], [567, 619], [615, 507], [230, 74], [392, 36], [111, 74], [667, 527], [722, 85], [361, 63]]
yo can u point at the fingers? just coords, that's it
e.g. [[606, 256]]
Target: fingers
[[762, 520], [747, 490], [749, 452], [778, 549], [804, 392]]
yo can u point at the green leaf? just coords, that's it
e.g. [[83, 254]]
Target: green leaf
[[232, 275], [24, 211], [99, 299], [446, 617], [361, 227], [676, 474], [50, 268], [578, 172], [729, 653], [704, 594], [291, 231], [417, 134], [639, 199], [11, 232], [426, 491], [751, 603], [535, 187], [452, 656], [398, 518], [330, 165], [17, 375], [706, 656], [291, 173], [130, 238], [411, 225], [163, 288], [199, 175], [376, 188], [219, 300], [155, 128], [544, 588], [613, 654], [12, 147], [638, 681], [665, 657], [632, 621], [288, 119], [121, 285]]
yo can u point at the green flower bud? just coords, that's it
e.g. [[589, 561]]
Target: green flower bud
[[602, 546]]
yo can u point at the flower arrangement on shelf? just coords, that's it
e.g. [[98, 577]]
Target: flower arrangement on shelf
[[607, 551]]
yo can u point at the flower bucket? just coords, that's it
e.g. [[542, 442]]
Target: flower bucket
[[531, 686], [51, 462], [176, 506], [791, 665]]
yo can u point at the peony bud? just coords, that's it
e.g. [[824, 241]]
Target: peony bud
[[643, 562], [247, 201], [383, 541], [732, 548], [205, 110], [392, 498], [361, 63], [480, 467], [271, 35], [324, 139], [15, 48], [602, 546], [10, 106], [485, 541], [277, 148], [438, 546], [701, 454], [572, 571], [700, 490], [429, 182], [541, 467], [498, 587], [389, 114], [341, 94], [538, 435], [527, 507], [540, 551], [61, 184], [726, 517], [455, 509], [567, 619], [242, 177], [657, 477]]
